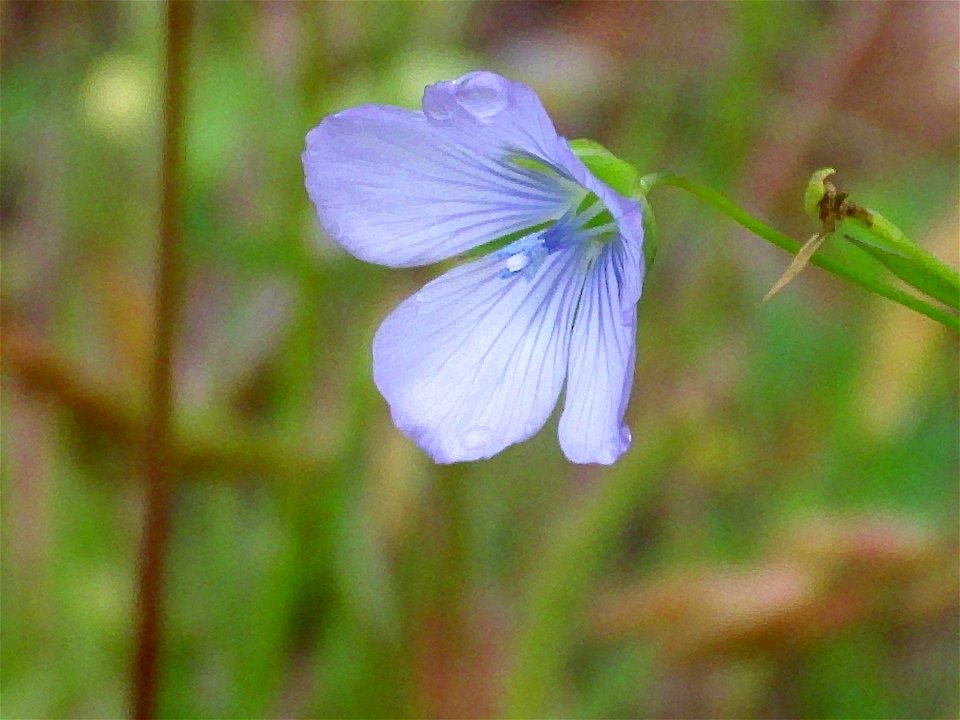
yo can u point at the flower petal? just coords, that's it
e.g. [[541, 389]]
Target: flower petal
[[600, 373], [508, 112], [400, 188], [474, 362]]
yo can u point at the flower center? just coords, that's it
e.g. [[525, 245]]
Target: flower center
[[587, 222]]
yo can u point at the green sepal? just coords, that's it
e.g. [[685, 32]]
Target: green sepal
[[608, 168], [624, 178], [649, 224]]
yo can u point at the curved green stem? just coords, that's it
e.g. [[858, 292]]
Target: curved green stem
[[721, 203]]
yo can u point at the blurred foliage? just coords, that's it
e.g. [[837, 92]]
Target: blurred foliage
[[780, 541]]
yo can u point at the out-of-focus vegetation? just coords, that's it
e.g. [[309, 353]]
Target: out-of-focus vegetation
[[780, 541]]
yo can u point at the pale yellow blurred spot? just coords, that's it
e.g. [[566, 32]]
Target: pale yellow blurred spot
[[99, 599], [119, 96], [901, 347]]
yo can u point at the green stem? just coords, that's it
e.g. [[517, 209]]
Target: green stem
[[864, 280], [910, 262]]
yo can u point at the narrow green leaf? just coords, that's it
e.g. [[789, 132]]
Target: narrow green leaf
[[905, 259]]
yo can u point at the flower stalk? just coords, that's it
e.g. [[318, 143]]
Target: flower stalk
[[887, 244]]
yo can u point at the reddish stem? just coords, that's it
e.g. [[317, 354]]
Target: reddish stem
[[157, 439]]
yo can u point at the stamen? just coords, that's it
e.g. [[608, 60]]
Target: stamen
[[516, 263], [524, 255]]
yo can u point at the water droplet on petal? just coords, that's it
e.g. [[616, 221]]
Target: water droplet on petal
[[482, 95], [438, 103], [437, 113], [477, 437]]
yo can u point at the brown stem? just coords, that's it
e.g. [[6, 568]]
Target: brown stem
[[41, 371], [157, 438], [226, 454]]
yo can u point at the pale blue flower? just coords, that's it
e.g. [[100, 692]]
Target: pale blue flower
[[475, 361]]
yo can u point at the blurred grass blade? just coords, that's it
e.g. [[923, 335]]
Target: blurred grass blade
[[560, 581]]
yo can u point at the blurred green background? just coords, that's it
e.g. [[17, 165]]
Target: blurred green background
[[781, 540]]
